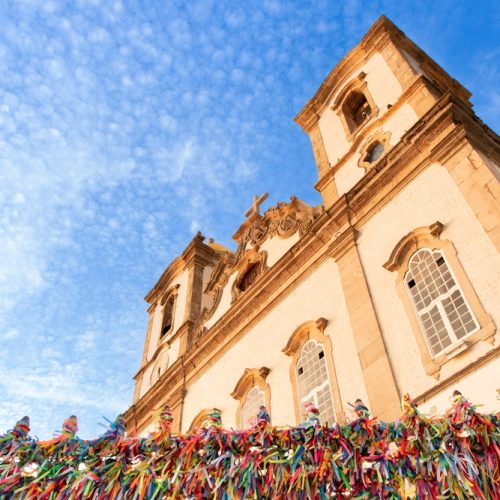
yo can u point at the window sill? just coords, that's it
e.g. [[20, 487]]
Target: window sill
[[433, 366], [456, 348]]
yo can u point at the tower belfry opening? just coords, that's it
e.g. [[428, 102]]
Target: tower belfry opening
[[356, 110]]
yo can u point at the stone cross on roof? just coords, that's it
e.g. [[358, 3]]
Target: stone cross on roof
[[257, 201]]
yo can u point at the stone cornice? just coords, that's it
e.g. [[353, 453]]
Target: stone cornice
[[455, 377], [441, 133]]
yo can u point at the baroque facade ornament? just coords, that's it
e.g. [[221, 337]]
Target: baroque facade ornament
[[282, 220], [197, 334]]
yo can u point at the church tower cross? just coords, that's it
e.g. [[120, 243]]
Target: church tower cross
[[257, 202]]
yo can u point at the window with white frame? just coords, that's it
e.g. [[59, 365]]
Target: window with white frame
[[440, 305], [313, 381], [255, 398]]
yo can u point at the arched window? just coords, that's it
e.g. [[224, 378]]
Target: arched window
[[168, 316], [251, 391], [312, 380], [445, 313], [356, 109], [250, 407], [199, 421], [440, 305], [355, 106], [312, 371], [249, 277], [250, 267]]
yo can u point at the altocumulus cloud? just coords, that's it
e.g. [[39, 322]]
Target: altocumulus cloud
[[124, 128]]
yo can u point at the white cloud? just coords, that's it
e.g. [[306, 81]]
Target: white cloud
[[10, 334]]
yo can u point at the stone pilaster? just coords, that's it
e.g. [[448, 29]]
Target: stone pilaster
[[377, 372]]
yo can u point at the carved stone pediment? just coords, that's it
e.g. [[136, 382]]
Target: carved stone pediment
[[250, 377], [283, 220]]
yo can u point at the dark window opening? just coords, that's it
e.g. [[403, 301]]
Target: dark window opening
[[321, 355], [374, 152], [440, 261], [166, 329], [411, 283], [249, 277], [168, 316], [300, 370], [356, 110]]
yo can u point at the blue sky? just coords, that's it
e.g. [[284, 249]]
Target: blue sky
[[125, 127]]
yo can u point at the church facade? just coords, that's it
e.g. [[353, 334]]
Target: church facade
[[390, 286]]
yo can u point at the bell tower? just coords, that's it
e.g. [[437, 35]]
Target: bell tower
[[175, 303], [374, 96]]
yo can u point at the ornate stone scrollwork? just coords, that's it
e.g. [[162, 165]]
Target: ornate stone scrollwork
[[287, 226], [283, 221], [197, 334], [305, 224], [258, 232], [215, 287]]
